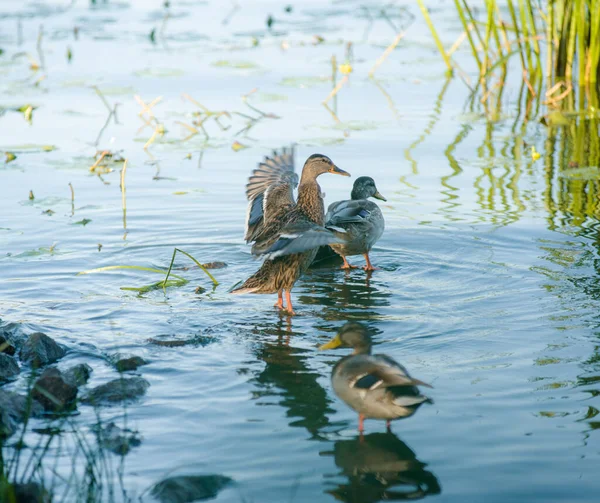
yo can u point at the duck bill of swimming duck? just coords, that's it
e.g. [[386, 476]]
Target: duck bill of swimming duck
[[379, 196], [334, 170], [336, 342]]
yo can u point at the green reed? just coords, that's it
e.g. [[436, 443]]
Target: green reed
[[567, 31]]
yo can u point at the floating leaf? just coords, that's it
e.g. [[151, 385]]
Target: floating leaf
[[581, 173], [180, 192], [303, 82], [83, 222], [238, 65], [535, 155], [555, 118], [31, 196], [237, 146], [9, 157], [159, 72], [28, 148]]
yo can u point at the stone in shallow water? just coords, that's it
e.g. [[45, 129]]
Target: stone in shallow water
[[6, 344], [40, 350], [132, 363], [188, 488], [117, 390], [53, 392], [13, 408], [77, 375], [11, 337], [214, 265], [8, 367], [24, 493], [118, 440]]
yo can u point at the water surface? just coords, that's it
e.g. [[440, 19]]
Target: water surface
[[487, 285]]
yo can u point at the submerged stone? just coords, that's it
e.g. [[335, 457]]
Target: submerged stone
[[30, 492], [214, 265], [118, 440], [9, 368], [39, 350], [77, 375], [131, 363], [53, 392], [188, 488], [7, 345], [13, 410], [117, 390]]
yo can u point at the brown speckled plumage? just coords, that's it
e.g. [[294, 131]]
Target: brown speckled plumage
[[287, 233]]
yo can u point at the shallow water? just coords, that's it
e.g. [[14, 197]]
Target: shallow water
[[488, 280]]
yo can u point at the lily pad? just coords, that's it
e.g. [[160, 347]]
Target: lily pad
[[303, 82], [83, 222], [159, 72], [269, 97], [27, 148], [322, 142], [238, 65], [581, 173]]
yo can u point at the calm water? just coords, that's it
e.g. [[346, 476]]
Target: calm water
[[488, 281]]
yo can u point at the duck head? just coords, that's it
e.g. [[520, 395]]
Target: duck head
[[364, 187], [351, 335], [318, 164]]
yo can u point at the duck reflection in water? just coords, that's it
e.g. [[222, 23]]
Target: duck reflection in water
[[380, 467], [288, 377], [338, 297]]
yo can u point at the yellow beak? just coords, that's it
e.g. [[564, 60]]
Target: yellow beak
[[377, 195], [336, 342]]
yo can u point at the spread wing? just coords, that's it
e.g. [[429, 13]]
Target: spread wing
[[270, 191], [294, 238], [346, 212]]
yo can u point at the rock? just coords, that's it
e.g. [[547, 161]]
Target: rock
[[197, 340], [53, 392], [40, 350], [78, 375], [187, 488], [31, 492], [6, 344], [118, 440], [117, 390], [214, 265], [8, 367], [13, 409], [132, 363]]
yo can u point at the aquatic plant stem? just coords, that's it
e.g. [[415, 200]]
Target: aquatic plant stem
[[436, 39]]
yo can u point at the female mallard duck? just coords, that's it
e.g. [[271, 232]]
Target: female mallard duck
[[362, 220], [285, 232], [375, 386]]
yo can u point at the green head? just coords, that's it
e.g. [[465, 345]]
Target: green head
[[351, 335], [364, 187]]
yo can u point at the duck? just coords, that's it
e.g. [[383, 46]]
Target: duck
[[375, 386], [286, 232], [360, 218]]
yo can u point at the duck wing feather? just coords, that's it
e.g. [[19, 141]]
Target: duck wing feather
[[270, 191]]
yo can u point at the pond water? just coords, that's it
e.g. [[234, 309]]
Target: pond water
[[487, 285]]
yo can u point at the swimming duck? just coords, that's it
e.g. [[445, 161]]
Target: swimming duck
[[375, 386], [285, 232], [362, 219]]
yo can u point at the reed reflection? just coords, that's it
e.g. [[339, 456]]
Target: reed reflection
[[379, 467]]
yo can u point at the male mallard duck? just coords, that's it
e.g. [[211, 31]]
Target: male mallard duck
[[362, 220], [375, 386], [285, 232]]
